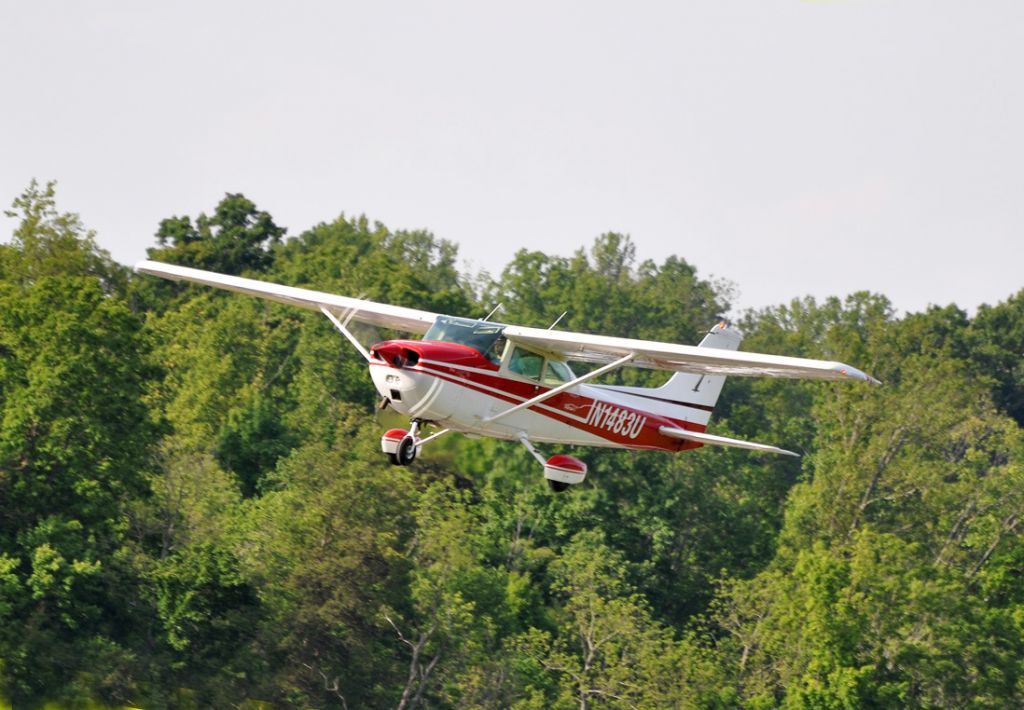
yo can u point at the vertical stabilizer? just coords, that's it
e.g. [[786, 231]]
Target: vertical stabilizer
[[703, 389], [686, 395], [698, 394]]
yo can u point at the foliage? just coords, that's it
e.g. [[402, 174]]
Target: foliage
[[194, 511], [236, 238], [51, 243], [74, 438]]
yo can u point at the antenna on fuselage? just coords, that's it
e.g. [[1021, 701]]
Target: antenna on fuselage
[[564, 314], [493, 311]]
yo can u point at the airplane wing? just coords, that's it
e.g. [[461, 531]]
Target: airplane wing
[[569, 345], [379, 314], [680, 358]]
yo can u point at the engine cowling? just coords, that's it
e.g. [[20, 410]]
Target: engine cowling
[[565, 469]]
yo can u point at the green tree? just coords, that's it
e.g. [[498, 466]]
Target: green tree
[[607, 651], [353, 257], [235, 239], [874, 598], [48, 242], [997, 345], [75, 437], [201, 614], [456, 600], [324, 548], [605, 291], [229, 366]]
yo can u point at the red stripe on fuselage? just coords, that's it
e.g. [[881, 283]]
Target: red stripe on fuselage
[[622, 425]]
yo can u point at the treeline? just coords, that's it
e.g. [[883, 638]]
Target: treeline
[[194, 511]]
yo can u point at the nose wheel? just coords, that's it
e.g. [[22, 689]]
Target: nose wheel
[[403, 446], [406, 452]]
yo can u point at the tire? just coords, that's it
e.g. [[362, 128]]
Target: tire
[[558, 486], [406, 453], [393, 459]]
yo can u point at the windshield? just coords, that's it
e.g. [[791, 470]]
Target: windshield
[[483, 337]]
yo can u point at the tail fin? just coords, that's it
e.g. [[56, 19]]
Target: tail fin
[[703, 389], [701, 392], [686, 395]]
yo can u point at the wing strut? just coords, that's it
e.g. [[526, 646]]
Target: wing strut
[[345, 331], [433, 436], [561, 388], [529, 447]]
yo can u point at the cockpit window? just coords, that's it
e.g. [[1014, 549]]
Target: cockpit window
[[531, 364], [483, 337], [525, 363], [557, 373]]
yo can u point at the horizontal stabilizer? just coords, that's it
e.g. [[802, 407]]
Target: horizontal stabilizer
[[722, 441]]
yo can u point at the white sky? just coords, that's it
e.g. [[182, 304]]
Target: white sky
[[792, 147]]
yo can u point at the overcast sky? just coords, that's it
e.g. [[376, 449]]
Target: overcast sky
[[791, 147]]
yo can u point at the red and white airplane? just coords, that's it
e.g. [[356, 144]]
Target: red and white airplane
[[483, 378]]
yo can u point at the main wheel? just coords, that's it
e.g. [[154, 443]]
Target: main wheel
[[393, 458], [406, 453], [558, 486]]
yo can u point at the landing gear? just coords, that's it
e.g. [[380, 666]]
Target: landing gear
[[403, 446], [561, 471], [407, 447], [404, 450], [400, 445], [406, 453], [391, 442]]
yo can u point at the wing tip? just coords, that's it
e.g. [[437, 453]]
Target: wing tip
[[850, 372], [157, 268]]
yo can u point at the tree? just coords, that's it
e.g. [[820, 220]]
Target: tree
[[229, 366], [997, 343], [353, 257], [75, 436], [605, 291], [47, 242], [911, 507], [607, 651], [324, 548], [454, 598], [235, 239]]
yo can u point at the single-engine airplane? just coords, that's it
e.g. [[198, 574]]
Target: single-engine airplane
[[483, 378]]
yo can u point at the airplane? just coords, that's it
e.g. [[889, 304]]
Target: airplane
[[483, 378]]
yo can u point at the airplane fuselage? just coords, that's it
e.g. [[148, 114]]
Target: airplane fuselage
[[456, 387]]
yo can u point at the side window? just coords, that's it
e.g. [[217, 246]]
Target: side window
[[557, 373], [525, 363]]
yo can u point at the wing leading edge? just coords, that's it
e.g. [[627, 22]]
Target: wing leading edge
[[379, 314]]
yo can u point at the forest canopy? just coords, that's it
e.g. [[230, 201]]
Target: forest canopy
[[194, 511]]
